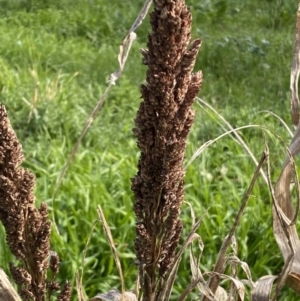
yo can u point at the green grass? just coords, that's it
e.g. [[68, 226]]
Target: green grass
[[57, 57]]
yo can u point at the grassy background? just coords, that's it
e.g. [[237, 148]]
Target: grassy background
[[55, 60]]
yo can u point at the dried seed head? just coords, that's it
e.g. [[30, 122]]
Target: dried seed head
[[162, 125], [27, 228], [65, 294], [54, 262]]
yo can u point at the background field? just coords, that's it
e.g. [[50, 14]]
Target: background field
[[55, 60]]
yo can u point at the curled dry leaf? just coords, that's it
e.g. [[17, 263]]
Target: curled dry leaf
[[240, 288], [169, 281], [244, 266], [263, 288], [201, 283], [284, 216], [293, 281], [115, 295]]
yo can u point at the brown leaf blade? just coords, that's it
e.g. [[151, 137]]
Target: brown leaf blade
[[284, 218], [293, 281], [170, 278], [263, 288], [114, 295], [284, 215]]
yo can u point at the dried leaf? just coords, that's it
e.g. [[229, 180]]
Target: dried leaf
[[199, 280], [169, 281], [263, 288], [238, 283], [79, 287], [221, 294], [112, 246], [114, 295], [122, 57], [143, 13], [284, 215], [293, 281], [244, 266]]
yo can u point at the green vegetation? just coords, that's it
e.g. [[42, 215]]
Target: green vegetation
[[56, 57]]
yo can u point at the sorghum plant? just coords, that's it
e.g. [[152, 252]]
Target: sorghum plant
[[27, 228], [162, 125]]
